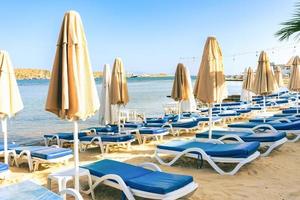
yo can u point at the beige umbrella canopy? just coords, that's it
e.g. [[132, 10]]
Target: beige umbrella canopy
[[210, 86], [72, 91], [278, 77], [119, 90], [264, 82], [290, 62], [248, 81], [10, 98], [248, 78], [294, 83], [180, 85], [180, 90]]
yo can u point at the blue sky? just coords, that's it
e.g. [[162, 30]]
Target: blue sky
[[149, 35]]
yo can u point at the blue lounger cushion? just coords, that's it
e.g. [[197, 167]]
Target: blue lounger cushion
[[3, 167], [111, 128], [246, 136], [45, 153], [109, 137], [277, 125], [229, 114], [242, 111], [269, 119], [154, 124], [290, 111], [10, 145], [65, 136], [133, 125], [149, 130], [189, 124], [235, 150], [140, 178]]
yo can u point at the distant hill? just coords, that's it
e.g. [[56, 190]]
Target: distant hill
[[28, 74], [32, 74]]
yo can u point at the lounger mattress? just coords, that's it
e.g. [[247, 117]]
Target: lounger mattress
[[235, 150], [45, 153], [140, 178]]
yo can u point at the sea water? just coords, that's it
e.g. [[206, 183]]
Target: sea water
[[146, 95]]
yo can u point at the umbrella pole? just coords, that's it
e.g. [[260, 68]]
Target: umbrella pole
[[210, 121], [119, 121], [76, 156], [264, 108], [4, 130], [297, 96], [179, 110]]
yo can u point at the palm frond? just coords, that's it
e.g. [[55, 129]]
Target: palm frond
[[290, 27]]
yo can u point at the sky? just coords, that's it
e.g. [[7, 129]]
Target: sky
[[151, 36]]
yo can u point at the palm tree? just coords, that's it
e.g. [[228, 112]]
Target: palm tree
[[290, 27]]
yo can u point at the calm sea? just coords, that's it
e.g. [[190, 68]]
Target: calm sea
[[146, 94]]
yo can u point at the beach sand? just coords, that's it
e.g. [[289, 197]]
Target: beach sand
[[274, 177]]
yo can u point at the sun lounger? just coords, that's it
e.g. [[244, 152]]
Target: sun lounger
[[4, 170], [176, 128], [274, 118], [61, 138], [218, 152], [139, 181], [274, 126], [28, 190], [269, 140], [36, 155], [106, 140], [102, 139], [11, 152]]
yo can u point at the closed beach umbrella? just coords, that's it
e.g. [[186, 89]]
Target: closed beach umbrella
[[180, 90], [294, 83], [278, 76], [210, 86], [10, 98], [72, 93], [264, 81], [290, 62], [247, 85], [119, 91], [105, 108], [189, 105]]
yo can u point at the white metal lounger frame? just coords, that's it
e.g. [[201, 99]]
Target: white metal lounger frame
[[270, 145], [272, 129], [117, 182], [142, 138], [211, 160], [34, 162]]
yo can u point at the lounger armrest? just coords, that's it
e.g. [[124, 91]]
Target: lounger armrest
[[71, 192], [96, 138], [283, 120], [167, 125], [150, 165], [93, 130], [232, 136], [296, 115], [264, 126]]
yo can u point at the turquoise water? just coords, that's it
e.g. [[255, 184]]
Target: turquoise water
[[146, 95]]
